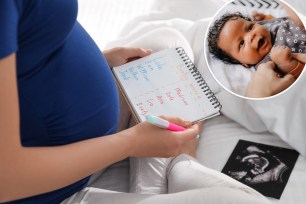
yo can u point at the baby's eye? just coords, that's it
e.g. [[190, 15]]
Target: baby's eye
[[250, 27], [241, 43]]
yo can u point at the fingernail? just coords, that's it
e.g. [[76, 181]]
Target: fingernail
[[187, 123], [198, 136], [148, 50]]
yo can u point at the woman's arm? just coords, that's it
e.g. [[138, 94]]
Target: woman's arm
[[42, 169], [28, 171], [300, 57]]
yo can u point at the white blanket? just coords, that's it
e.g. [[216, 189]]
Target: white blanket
[[269, 122]]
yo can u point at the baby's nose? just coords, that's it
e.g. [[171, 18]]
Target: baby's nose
[[251, 39]]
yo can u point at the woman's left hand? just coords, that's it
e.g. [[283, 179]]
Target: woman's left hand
[[121, 55], [265, 82]]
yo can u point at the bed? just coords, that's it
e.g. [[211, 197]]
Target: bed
[[279, 121]]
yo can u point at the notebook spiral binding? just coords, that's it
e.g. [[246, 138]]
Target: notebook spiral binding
[[197, 75]]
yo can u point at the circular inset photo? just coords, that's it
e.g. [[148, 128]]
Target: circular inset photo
[[256, 49]]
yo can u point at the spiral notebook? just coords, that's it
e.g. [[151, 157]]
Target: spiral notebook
[[166, 83]]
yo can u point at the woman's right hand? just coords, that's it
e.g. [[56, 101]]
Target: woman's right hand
[[148, 140]]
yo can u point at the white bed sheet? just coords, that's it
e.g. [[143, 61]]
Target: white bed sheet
[[218, 140], [220, 134]]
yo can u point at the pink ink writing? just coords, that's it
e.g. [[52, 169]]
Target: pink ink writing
[[150, 102], [160, 99], [168, 94], [181, 96], [142, 109]]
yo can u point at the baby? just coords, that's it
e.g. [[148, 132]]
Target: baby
[[235, 38]]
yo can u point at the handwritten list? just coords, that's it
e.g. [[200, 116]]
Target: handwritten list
[[142, 70], [162, 84]]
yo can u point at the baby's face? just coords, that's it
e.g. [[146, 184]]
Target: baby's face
[[245, 41]]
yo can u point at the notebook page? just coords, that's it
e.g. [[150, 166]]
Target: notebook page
[[161, 84]]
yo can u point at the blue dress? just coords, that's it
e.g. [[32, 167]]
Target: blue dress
[[66, 90]]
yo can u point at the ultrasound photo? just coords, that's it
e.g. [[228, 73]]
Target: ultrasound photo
[[263, 167]]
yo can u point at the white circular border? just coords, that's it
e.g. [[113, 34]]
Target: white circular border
[[230, 91]]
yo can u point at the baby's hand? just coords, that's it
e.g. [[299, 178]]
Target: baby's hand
[[281, 56], [261, 16]]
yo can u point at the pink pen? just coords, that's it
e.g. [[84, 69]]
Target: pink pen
[[163, 123]]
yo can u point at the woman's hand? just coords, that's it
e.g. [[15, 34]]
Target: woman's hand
[[121, 55], [148, 140], [190, 147], [265, 82]]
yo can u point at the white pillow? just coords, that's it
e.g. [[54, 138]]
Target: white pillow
[[283, 115]]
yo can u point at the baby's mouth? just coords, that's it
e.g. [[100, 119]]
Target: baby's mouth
[[261, 42]]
